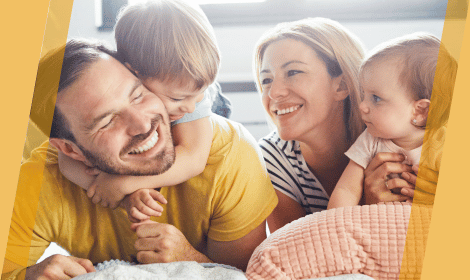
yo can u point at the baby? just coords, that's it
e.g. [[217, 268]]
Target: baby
[[170, 46], [397, 80]]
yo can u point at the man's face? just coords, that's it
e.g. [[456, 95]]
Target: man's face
[[119, 126]]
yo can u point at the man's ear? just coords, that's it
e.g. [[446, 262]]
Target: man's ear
[[420, 114], [128, 66], [340, 87], [68, 148]]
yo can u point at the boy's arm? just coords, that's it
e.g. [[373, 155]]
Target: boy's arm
[[193, 141], [75, 171], [348, 190], [109, 188]]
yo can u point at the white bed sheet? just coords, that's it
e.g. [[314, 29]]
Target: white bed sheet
[[120, 270]]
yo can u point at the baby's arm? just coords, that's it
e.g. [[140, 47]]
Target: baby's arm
[[348, 191]]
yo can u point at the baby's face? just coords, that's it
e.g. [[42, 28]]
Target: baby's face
[[178, 99], [387, 105]]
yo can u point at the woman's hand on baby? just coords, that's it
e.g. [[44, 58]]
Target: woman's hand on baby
[[426, 181], [377, 184], [142, 204], [410, 177], [107, 190]]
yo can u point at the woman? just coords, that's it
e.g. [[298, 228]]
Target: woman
[[307, 73]]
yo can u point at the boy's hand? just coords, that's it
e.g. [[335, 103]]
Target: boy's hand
[[142, 204], [107, 189]]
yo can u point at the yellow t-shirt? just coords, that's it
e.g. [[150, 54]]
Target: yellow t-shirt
[[229, 199]]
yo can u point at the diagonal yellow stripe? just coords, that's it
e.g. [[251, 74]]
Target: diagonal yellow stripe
[[449, 242], [22, 27], [55, 35], [419, 226]]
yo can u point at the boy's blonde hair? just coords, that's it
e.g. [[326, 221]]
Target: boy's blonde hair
[[427, 69], [340, 50], [170, 40]]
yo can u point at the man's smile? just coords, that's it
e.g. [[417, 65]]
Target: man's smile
[[147, 146]]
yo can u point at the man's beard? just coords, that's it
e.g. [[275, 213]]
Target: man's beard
[[160, 163]]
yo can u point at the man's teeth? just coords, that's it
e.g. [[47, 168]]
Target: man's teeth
[[147, 146], [287, 110]]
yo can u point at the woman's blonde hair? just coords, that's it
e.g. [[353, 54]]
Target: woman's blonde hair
[[340, 50], [426, 70], [170, 40]]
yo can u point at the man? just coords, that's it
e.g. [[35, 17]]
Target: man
[[218, 216]]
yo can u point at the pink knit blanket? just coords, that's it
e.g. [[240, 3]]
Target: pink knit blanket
[[361, 239]]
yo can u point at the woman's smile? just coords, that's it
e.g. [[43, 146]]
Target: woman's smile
[[288, 110]]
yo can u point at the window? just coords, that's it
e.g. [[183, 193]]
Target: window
[[254, 12]]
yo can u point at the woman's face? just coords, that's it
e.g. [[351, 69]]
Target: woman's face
[[298, 93]]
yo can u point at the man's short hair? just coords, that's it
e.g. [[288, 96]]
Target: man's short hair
[[67, 62]]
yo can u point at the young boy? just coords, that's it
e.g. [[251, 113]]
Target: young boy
[[170, 46]]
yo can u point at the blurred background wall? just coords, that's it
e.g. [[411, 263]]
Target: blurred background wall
[[239, 25]]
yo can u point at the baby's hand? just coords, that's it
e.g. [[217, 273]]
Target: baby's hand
[[142, 204], [107, 189]]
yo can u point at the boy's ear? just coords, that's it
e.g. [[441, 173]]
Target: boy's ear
[[341, 88], [68, 148], [128, 66], [421, 109]]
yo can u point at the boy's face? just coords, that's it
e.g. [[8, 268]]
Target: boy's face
[[387, 105], [178, 98]]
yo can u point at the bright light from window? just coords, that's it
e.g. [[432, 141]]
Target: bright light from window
[[202, 2]]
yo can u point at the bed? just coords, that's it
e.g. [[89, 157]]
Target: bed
[[382, 241]]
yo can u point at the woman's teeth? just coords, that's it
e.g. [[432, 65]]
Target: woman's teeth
[[287, 110], [147, 146]]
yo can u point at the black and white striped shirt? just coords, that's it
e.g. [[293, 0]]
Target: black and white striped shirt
[[290, 174]]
